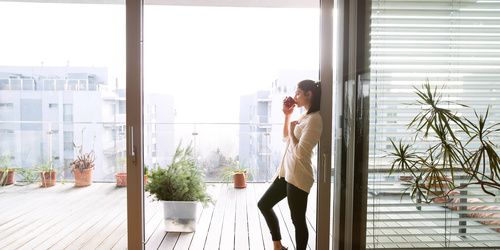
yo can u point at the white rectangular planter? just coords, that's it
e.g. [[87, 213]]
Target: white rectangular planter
[[180, 216]]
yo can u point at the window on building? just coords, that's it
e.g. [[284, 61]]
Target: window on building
[[68, 112], [6, 105]]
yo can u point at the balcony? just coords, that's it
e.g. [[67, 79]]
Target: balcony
[[66, 217], [95, 217]]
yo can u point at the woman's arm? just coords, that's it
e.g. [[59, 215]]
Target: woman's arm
[[286, 126]]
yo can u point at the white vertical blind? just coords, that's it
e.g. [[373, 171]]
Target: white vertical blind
[[453, 43]]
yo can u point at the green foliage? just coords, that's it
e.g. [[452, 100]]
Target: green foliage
[[5, 165], [35, 173], [235, 167], [5, 161], [450, 149], [83, 160], [182, 180], [122, 165]]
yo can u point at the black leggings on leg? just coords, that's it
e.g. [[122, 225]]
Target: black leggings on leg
[[297, 202]]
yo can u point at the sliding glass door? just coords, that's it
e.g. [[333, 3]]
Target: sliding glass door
[[62, 85], [215, 76], [454, 46]]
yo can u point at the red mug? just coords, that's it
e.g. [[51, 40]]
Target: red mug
[[288, 102]]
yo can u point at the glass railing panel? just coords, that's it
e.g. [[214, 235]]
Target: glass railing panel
[[216, 144]]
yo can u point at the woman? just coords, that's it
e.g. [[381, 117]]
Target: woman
[[294, 177]]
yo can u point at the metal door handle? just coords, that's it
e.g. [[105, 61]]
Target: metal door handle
[[131, 143]]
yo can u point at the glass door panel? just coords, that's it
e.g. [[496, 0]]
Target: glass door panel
[[62, 85], [453, 46], [215, 78]]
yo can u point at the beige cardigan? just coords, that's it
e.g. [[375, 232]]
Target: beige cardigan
[[296, 165]]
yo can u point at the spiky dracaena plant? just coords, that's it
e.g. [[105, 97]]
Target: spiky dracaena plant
[[182, 180], [83, 160], [449, 150]]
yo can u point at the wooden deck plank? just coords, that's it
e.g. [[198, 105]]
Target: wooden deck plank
[[32, 199], [234, 219], [154, 224], [169, 241], [185, 239], [227, 234], [121, 244], [74, 205], [84, 216], [241, 221], [214, 229], [254, 229], [86, 223], [91, 228]]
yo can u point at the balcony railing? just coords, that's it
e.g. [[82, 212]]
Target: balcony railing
[[393, 219]]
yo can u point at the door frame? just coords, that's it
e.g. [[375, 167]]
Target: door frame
[[134, 97]]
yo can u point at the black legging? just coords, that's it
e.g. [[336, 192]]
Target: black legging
[[297, 201]]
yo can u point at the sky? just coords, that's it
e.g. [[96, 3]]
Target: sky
[[209, 54]]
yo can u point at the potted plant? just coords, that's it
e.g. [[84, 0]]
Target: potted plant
[[447, 145], [180, 187], [46, 172], [121, 175], [237, 173], [146, 172], [83, 165], [7, 173]]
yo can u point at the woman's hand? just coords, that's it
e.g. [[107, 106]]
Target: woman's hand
[[288, 111]]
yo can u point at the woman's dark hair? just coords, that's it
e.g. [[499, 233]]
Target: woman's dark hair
[[315, 88]]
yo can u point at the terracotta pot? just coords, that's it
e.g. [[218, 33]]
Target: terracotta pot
[[48, 179], [240, 180], [8, 179], [83, 179], [121, 179]]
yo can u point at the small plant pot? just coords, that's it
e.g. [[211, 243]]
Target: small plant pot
[[84, 178], [240, 180], [121, 179], [9, 177], [48, 179], [180, 216]]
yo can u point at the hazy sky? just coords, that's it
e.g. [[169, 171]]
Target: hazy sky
[[214, 54]]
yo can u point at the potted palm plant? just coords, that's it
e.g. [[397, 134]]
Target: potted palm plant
[[83, 165], [180, 187], [449, 151], [7, 173], [236, 173]]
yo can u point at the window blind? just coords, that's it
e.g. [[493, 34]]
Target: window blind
[[447, 43]]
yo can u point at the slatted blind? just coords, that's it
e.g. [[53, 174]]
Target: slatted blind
[[452, 43]]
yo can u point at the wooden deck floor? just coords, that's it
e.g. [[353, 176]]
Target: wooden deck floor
[[94, 217]]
